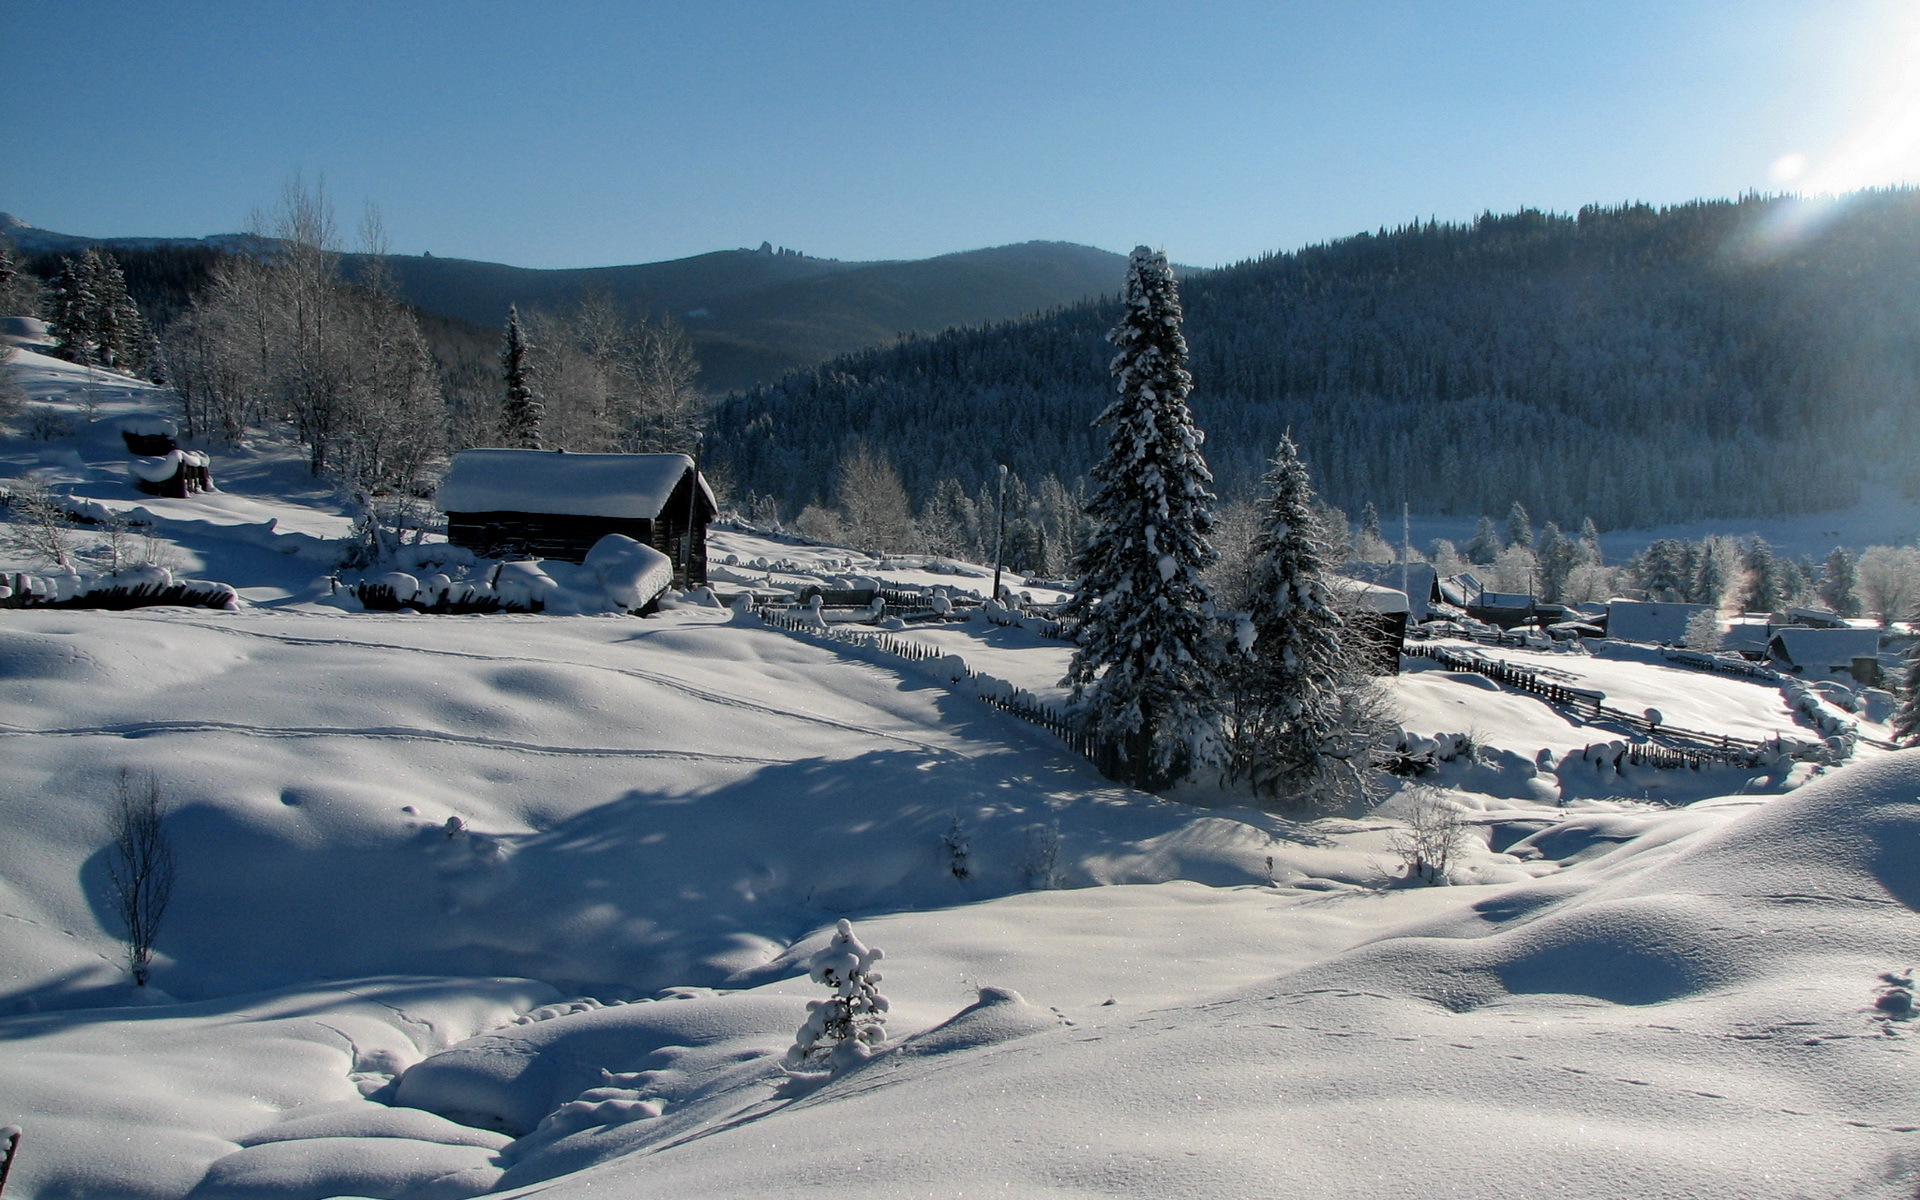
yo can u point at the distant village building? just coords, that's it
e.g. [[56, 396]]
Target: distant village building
[[1418, 582], [1856, 651], [1379, 615], [552, 504]]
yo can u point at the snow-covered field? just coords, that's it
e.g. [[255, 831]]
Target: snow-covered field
[[513, 904]]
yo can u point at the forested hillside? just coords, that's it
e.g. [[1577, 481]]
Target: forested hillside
[[1633, 365]]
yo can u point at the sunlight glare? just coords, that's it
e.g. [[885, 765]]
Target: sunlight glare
[[1885, 147]]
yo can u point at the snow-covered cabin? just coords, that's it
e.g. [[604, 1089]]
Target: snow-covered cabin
[[552, 504], [1380, 613], [1652, 621], [1420, 579], [1805, 649]]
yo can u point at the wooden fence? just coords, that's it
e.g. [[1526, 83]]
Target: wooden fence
[[1695, 745]]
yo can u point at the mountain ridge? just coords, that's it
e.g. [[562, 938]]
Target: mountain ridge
[[752, 315]]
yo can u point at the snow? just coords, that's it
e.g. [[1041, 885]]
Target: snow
[[513, 903], [626, 486]]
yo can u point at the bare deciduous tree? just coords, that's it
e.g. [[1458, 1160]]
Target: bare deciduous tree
[[1433, 834], [140, 868], [40, 528]]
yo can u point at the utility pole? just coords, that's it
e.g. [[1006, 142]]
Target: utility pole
[[999, 529]]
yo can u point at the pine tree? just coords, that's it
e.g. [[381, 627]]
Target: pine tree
[[1291, 728], [1763, 578], [520, 419], [1709, 584], [1590, 543], [70, 313], [1519, 526], [1145, 669], [1664, 572], [1906, 718], [1557, 560], [1484, 549], [1837, 589]]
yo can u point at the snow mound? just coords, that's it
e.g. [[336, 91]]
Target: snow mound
[[512, 1079], [999, 1015], [632, 573], [1677, 917], [372, 1168]]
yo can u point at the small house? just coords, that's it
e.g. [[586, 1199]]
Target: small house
[[1379, 615], [1800, 648], [1418, 582], [553, 504]]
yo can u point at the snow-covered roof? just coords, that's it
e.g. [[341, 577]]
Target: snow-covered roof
[[1649, 621], [1419, 580], [1370, 595], [625, 486], [1806, 647]]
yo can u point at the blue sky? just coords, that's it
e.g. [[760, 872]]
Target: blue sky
[[587, 133]]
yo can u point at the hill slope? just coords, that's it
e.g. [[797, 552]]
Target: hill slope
[[753, 315], [1632, 365]]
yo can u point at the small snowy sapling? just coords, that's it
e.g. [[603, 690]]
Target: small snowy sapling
[[954, 842], [140, 869], [844, 1029]]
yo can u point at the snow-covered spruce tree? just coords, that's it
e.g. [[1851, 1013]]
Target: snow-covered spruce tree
[[842, 1030], [69, 312], [1709, 577], [521, 417], [1485, 546], [1762, 593], [1558, 557], [1519, 526], [1299, 724], [1144, 673], [1838, 584], [1906, 717]]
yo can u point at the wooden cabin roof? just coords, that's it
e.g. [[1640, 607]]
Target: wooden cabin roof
[[556, 483]]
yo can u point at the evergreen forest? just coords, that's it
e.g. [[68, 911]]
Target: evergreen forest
[[1629, 365]]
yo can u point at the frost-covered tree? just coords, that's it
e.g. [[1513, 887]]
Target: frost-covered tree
[[1763, 578], [69, 310], [1298, 721], [1704, 631], [1710, 578], [521, 416], [874, 510], [1558, 556], [1519, 526], [1590, 544], [1664, 572], [842, 1030], [1144, 672], [1762, 593], [1485, 546], [1889, 581], [1838, 583], [1906, 717]]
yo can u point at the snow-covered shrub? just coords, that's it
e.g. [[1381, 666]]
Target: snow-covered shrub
[[45, 423], [842, 1030], [1043, 856], [1434, 832]]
